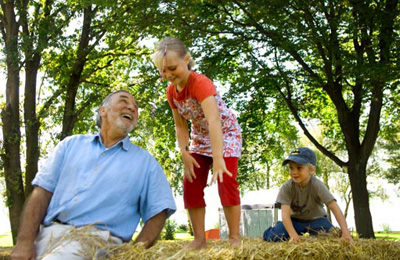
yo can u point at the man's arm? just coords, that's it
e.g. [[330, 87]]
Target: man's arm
[[152, 229], [32, 216], [334, 207]]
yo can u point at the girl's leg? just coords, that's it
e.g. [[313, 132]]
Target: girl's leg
[[193, 195], [232, 215], [230, 199], [197, 218]]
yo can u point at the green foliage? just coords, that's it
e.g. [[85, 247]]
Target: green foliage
[[331, 62], [287, 66], [183, 227], [169, 230], [190, 227], [386, 228]]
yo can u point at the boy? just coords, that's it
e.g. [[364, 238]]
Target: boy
[[302, 198]]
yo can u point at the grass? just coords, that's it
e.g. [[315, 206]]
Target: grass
[[388, 236], [183, 236], [6, 240]]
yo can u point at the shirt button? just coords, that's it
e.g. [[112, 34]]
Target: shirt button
[[103, 153], [95, 168], [86, 184], [63, 215], [76, 199]]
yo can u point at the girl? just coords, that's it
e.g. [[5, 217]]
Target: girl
[[215, 138]]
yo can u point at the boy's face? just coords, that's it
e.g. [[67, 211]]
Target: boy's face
[[301, 173]]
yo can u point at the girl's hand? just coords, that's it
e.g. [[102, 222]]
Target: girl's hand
[[189, 162], [219, 168]]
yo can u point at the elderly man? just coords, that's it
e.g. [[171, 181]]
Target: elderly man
[[93, 190]]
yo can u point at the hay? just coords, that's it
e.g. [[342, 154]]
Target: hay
[[256, 249], [321, 247], [5, 253]]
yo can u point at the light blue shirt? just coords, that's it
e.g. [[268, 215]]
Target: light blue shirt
[[111, 187]]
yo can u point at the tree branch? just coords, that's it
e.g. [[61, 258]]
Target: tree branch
[[294, 110]]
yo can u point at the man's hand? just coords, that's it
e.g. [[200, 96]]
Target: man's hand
[[32, 215], [23, 251]]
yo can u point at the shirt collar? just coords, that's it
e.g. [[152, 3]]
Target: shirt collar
[[125, 143]]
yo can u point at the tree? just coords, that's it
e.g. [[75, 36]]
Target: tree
[[327, 60], [40, 31], [10, 114], [109, 34]]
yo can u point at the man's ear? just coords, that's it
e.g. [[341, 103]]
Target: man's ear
[[102, 111]]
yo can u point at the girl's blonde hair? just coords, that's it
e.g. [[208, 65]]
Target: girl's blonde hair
[[170, 44]]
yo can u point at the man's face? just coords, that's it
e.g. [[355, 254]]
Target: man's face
[[121, 113]]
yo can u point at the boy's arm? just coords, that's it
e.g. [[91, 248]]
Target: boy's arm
[[287, 222], [32, 216], [334, 207]]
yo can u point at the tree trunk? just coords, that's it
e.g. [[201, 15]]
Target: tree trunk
[[32, 124], [358, 182], [10, 118], [347, 199], [69, 116], [326, 181]]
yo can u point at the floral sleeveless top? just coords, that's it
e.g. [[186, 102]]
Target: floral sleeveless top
[[188, 103]]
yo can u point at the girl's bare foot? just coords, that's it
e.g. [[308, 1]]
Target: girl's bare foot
[[196, 244], [235, 242]]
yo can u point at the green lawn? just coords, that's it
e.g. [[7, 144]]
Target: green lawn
[[388, 236], [5, 239], [183, 236]]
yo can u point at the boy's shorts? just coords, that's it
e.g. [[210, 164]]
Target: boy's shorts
[[193, 193]]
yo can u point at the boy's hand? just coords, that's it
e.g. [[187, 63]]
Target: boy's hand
[[294, 239], [219, 168], [346, 236], [189, 162]]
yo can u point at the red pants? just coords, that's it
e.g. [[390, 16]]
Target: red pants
[[193, 193]]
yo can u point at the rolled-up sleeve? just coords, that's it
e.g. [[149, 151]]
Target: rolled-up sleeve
[[156, 195], [49, 173]]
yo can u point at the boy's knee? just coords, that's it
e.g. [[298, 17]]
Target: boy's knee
[[272, 235]]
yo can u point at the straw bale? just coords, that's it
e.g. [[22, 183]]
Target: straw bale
[[257, 249], [321, 247], [5, 253]]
